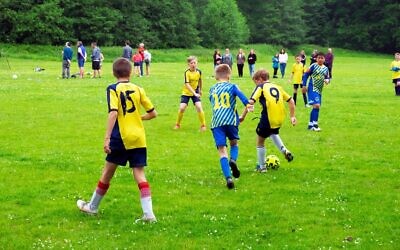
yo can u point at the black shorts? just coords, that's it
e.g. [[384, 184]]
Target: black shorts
[[395, 81], [95, 65], [296, 85], [137, 157], [136, 63], [185, 99], [264, 130]]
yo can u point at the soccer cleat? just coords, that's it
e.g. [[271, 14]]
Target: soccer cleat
[[234, 168], [85, 207], [177, 126], [145, 219], [289, 157], [316, 128], [203, 128], [261, 169], [229, 183]]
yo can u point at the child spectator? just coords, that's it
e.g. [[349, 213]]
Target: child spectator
[[296, 77], [137, 59], [275, 64]]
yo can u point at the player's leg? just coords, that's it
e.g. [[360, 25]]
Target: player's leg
[[276, 139], [145, 194], [220, 141], [261, 152], [232, 132], [295, 87], [182, 108], [91, 207], [200, 114]]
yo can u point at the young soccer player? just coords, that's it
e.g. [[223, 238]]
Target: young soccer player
[[319, 74], [125, 139], [225, 121], [395, 67], [298, 69], [271, 98], [192, 90]]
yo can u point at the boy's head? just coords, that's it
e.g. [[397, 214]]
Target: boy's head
[[122, 68], [320, 58], [397, 56], [298, 58], [260, 76], [79, 43], [222, 72], [192, 62], [94, 44]]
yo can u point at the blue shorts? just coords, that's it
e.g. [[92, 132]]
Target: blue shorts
[[221, 133], [137, 157], [185, 99], [314, 97], [81, 63]]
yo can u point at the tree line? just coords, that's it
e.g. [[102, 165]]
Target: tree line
[[370, 25]]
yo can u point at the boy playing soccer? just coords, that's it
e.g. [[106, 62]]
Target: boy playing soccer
[[298, 69], [319, 76], [225, 121], [125, 139], [271, 98], [395, 67], [192, 89]]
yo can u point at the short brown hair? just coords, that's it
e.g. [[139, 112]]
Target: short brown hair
[[261, 74], [222, 71], [191, 58], [122, 67]]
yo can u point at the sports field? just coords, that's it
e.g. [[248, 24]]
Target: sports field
[[341, 190]]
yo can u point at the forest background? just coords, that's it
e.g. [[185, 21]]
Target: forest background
[[369, 25]]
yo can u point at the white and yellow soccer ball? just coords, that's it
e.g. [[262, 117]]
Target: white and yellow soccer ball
[[272, 162]]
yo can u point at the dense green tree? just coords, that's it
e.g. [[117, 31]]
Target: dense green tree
[[222, 24]]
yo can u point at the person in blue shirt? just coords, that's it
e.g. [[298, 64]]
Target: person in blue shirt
[[81, 56], [96, 60], [225, 121], [319, 76], [67, 58]]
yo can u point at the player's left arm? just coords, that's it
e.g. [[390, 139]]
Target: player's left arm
[[112, 118]]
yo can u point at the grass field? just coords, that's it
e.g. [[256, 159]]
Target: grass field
[[341, 191]]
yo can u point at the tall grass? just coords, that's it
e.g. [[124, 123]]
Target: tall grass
[[341, 190]]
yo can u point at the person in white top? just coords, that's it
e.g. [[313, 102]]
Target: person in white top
[[283, 58], [147, 61]]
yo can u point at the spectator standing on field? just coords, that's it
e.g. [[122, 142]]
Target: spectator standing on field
[[141, 49], [395, 68], [96, 59], [240, 59], [227, 58], [303, 57], [67, 58], [81, 56], [125, 139], [283, 59], [137, 60], [275, 64], [251, 60], [217, 58], [313, 57], [147, 61], [127, 50], [329, 61]]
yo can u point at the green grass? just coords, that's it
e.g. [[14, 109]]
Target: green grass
[[342, 184]]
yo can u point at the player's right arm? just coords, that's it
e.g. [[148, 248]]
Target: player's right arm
[[112, 118]]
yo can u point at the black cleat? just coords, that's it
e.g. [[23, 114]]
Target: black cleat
[[289, 157], [234, 168], [229, 183]]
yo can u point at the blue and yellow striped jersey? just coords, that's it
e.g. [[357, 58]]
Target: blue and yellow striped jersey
[[127, 99], [271, 98], [223, 102]]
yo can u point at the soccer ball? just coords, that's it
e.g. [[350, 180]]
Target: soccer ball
[[272, 162]]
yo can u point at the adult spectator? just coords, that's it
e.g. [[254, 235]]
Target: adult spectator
[[141, 49], [240, 59], [313, 57], [227, 58], [147, 61], [67, 58], [127, 50], [251, 60], [96, 60], [283, 59], [81, 56], [217, 58], [329, 61], [303, 57]]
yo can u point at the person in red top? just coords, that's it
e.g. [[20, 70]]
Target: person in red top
[[137, 60]]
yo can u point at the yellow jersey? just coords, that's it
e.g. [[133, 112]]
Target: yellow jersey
[[193, 78], [127, 99], [395, 74], [298, 70]]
